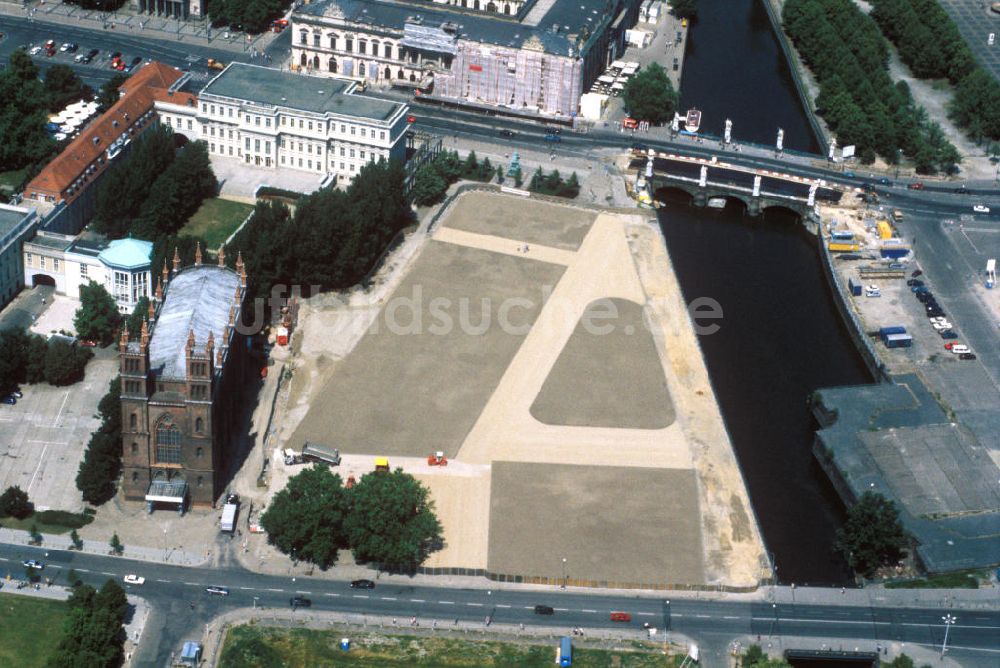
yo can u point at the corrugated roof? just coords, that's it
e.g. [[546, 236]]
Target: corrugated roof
[[137, 95], [197, 299]]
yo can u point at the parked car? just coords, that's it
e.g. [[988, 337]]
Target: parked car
[[87, 343], [217, 591], [300, 602], [920, 289], [411, 119], [621, 617], [362, 584], [134, 579], [915, 273], [915, 283], [552, 137], [35, 50], [948, 334], [9, 400], [885, 181], [959, 348], [967, 356], [961, 190], [69, 47], [850, 175], [544, 610], [872, 291], [942, 325], [33, 563], [17, 394], [981, 208], [916, 186]]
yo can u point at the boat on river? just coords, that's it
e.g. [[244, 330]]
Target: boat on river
[[692, 122]]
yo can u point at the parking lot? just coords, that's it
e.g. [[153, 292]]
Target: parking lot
[[43, 436]]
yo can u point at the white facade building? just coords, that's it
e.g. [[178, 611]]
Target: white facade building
[[121, 266], [281, 120]]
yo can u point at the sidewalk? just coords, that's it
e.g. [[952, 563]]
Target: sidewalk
[[62, 542], [129, 21]]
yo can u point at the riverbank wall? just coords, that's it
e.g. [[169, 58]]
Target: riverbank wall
[[795, 66]]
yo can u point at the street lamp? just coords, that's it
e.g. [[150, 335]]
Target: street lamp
[[255, 602], [948, 620], [564, 572], [899, 160]]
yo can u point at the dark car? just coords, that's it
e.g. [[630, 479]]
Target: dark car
[[116, 55], [967, 356], [920, 289], [961, 190], [136, 60], [544, 610], [948, 334], [850, 175], [362, 584], [885, 181], [506, 133], [552, 137], [924, 297], [9, 400], [914, 282], [299, 602]]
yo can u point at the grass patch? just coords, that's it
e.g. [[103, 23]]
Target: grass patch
[[12, 179], [253, 646], [215, 220], [49, 521], [956, 580], [31, 627]]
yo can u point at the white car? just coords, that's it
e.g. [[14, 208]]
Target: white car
[[133, 579], [872, 291], [35, 50], [941, 326], [981, 208], [960, 348]]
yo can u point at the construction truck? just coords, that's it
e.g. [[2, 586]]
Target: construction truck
[[437, 459], [214, 64]]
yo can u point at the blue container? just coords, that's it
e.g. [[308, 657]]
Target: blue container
[[345, 644], [855, 288], [566, 651]]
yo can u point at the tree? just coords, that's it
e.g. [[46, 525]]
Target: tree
[[34, 364], [65, 362], [305, 519], [23, 114], [102, 459], [500, 174], [36, 537], [429, 187], [112, 597], [14, 503], [63, 87], [73, 578], [140, 313], [92, 633], [649, 95], [75, 540], [392, 521], [872, 536], [116, 544], [13, 356], [109, 94], [684, 9], [97, 318]]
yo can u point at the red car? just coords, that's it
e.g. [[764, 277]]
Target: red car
[[621, 617], [411, 119], [948, 345], [916, 186]]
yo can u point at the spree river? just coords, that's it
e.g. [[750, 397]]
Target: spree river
[[781, 336]]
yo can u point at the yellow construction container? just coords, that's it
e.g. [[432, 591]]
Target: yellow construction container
[[843, 246], [884, 230], [381, 463]]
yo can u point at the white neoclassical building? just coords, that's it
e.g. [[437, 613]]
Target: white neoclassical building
[[277, 119]]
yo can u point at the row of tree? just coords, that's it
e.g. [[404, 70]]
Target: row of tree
[[25, 102], [93, 634], [385, 518], [102, 460], [930, 44], [848, 56], [253, 16], [554, 184], [684, 9], [432, 180], [155, 189], [334, 238], [30, 358]]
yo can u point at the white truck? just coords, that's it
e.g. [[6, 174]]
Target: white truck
[[228, 523]]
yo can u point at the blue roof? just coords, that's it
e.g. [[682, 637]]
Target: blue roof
[[127, 253]]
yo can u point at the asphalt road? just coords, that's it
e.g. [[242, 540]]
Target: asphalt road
[[182, 607], [975, 22]]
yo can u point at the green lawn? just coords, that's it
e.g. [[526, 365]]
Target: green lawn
[[31, 629], [215, 220], [11, 180], [957, 580], [252, 646], [48, 522]]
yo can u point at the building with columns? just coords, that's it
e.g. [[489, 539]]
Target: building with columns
[[276, 119], [175, 9], [181, 379], [535, 57]]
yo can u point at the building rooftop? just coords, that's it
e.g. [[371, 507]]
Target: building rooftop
[[127, 253], [137, 95], [278, 88], [558, 27], [12, 221], [198, 300]]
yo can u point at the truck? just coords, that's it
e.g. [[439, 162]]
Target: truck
[[895, 337], [318, 452], [214, 64], [228, 522]]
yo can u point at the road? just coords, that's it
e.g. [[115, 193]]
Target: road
[[182, 607]]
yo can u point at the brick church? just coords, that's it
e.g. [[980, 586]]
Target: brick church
[[181, 384]]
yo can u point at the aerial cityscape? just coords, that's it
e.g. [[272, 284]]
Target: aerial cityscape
[[619, 333]]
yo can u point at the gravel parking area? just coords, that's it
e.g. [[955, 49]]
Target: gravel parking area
[[43, 437]]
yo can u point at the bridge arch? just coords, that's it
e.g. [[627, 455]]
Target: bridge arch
[[673, 194]]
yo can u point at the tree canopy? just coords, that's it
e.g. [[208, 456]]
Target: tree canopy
[[305, 519], [29, 358], [108, 94], [64, 87], [872, 536], [97, 318], [102, 459], [65, 362], [392, 521], [684, 9], [14, 503], [92, 633], [649, 95], [23, 114], [254, 16]]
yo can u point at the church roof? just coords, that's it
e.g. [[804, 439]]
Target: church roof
[[127, 253], [197, 299]]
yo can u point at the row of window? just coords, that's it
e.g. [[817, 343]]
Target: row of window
[[286, 121]]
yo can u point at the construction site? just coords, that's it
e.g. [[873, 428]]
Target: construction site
[[534, 365]]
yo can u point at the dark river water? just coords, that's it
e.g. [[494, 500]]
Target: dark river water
[[781, 337]]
